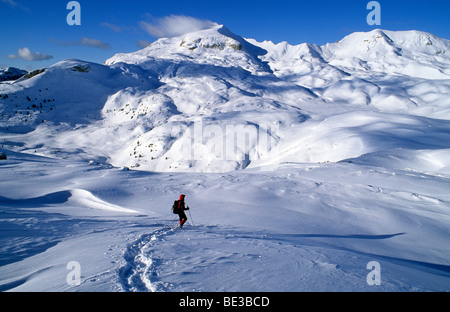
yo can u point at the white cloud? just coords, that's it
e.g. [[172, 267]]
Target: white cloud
[[11, 2], [26, 54], [87, 42], [14, 4], [143, 43], [112, 27], [93, 43], [175, 25]]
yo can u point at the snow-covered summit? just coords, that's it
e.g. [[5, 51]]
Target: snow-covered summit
[[414, 53], [378, 42], [217, 46]]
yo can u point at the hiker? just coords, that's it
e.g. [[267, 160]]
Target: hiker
[[179, 208]]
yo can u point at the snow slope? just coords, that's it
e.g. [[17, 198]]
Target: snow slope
[[302, 164], [299, 228]]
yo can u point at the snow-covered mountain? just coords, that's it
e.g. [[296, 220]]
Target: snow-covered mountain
[[11, 73], [140, 109], [320, 159]]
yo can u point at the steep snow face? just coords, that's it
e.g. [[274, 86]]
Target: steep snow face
[[213, 101]]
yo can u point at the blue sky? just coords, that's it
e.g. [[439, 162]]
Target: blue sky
[[35, 34]]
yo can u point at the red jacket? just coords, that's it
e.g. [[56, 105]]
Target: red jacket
[[181, 205]]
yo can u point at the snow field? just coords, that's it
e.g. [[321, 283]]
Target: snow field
[[299, 228], [357, 169]]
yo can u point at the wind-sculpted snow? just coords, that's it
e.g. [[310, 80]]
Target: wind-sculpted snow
[[297, 228], [302, 166], [234, 260]]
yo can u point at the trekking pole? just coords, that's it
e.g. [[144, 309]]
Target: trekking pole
[[191, 217]]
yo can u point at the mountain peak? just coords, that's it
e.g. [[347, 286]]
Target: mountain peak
[[218, 37], [217, 46], [380, 42], [11, 73]]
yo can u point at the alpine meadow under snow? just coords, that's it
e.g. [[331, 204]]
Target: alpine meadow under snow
[[303, 165]]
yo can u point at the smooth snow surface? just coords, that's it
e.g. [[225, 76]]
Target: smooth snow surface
[[301, 165]]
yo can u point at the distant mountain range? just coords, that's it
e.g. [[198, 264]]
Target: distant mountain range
[[11, 73]]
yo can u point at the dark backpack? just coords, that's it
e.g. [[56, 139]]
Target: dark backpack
[[175, 206]]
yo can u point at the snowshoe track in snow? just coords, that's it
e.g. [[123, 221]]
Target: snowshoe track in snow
[[140, 271], [216, 258]]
